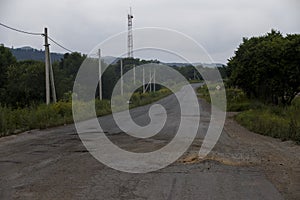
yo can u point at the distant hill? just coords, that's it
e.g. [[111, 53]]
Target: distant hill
[[112, 60], [209, 65], [29, 53]]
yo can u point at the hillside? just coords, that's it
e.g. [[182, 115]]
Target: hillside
[[29, 53]]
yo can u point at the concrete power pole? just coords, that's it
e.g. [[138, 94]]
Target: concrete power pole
[[121, 77], [52, 81], [47, 66], [134, 74], [100, 75], [48, 69], [143, 80], [150, 80], [154, 80]]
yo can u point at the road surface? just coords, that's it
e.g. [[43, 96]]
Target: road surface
[[53, 164]]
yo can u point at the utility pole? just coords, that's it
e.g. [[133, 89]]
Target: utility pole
[[48, 69], [47, 65], [150, 78], [154, 81], [122, 77], [100, 75], [52, 81], [143, 80], [134, 74]]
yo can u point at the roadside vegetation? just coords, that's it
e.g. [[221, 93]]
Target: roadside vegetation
[[276, 121], [262, 83], [13, 121], [22, 92], [279, 122]]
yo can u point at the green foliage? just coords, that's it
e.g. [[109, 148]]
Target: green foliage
[[267, 67], [139, 99], [235, 98], [17, 120], [275, 121], [25, 84], [102, 107], [278, 122], [65, 73], [22, 54], [6, 60], [203, 92], [190, 73]]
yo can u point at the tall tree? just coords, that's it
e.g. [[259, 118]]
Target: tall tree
[[26, 83], [267, 67], [6, 59]]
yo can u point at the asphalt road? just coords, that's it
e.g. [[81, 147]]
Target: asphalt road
[[54, 164]]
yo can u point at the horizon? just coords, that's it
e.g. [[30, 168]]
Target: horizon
[[218, 26], [180, 64]]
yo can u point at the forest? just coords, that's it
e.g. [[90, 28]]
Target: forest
[[22, 83]]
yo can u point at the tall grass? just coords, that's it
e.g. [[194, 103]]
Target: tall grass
[[275, 121], [235, 98], [13, 121]]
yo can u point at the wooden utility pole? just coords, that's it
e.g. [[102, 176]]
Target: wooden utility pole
[[47, 66], [100, 75]]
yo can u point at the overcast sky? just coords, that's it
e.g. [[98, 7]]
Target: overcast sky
[[218, 25]]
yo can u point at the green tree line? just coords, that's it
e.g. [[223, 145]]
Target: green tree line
[[22, 83], [267, 67]]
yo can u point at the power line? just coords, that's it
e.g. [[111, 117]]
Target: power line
[[21, 31], [32, 33], [59, 44]]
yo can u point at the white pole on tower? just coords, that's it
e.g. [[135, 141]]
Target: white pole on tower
[[121, 77], [100, 75]]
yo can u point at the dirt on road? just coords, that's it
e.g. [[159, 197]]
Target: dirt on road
[[280, 161]]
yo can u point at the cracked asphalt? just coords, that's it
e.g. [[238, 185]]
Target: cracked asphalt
[[54, 164]]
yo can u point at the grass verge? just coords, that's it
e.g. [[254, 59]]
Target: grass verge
[[275, 121], [13, 121]]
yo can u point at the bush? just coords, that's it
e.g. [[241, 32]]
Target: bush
[[13, 121], [275, 121], [278, 122], [236, 98]]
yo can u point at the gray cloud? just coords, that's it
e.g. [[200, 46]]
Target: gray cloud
[[80, 25]]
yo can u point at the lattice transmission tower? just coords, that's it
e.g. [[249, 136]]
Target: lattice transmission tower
[[130, 36]]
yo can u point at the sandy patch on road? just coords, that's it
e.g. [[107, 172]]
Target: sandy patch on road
[[280, 161]]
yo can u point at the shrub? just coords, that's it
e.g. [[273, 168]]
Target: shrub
[[13, 121]]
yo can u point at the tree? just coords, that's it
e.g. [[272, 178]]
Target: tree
[[6, 59], [65, 72], [267, 67], [26, 83]]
